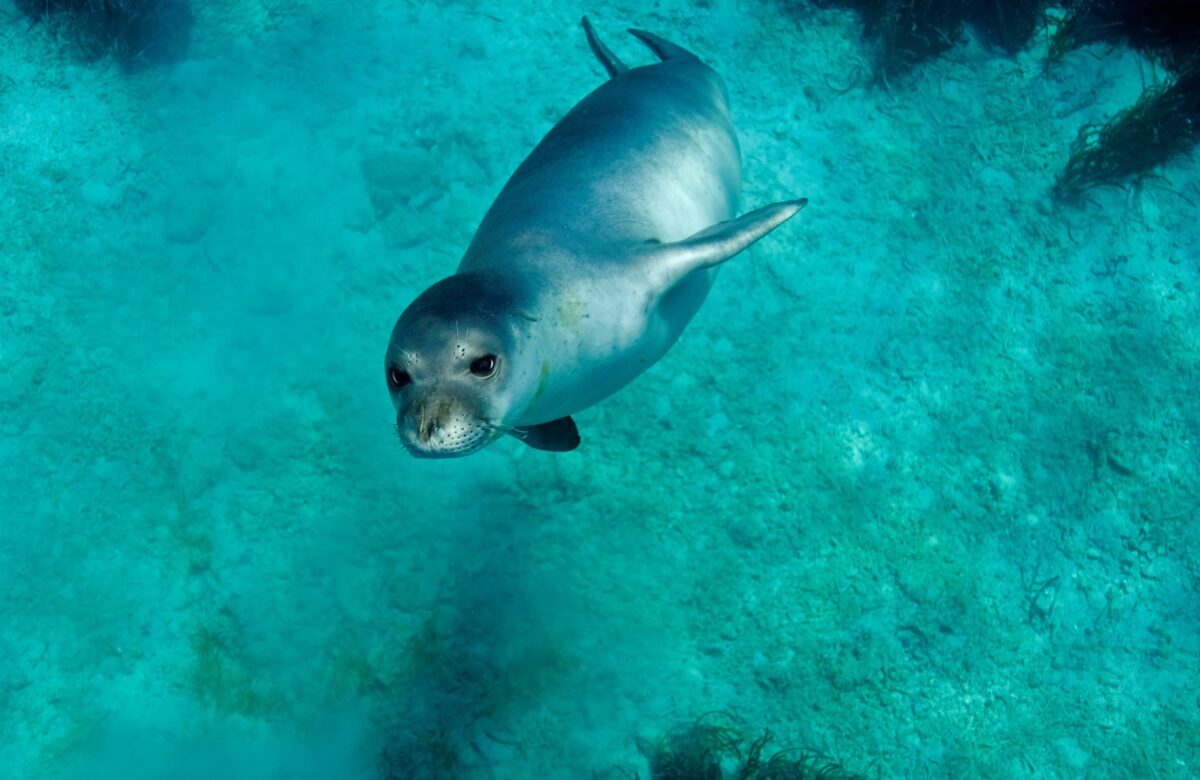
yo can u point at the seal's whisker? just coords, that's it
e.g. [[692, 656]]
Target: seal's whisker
[[520, 434]]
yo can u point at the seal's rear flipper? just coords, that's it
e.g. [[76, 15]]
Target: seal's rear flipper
[[662, 47], [610, 61], [559, 435], [670, 263]]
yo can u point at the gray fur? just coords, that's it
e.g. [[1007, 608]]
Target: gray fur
[[587, 267]]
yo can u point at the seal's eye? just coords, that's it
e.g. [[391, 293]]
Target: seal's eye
[[397, 378], [484, 366]]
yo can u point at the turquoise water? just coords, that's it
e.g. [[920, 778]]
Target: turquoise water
[[919, 487]]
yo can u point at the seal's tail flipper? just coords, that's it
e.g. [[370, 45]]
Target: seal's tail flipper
[[670, 263], [610, 61], [663, 48]]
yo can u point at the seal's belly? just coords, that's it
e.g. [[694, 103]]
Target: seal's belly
[[597, 337]]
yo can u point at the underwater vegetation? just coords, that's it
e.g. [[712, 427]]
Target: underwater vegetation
[[1165, 120], [908, 32], [138, 33], [222, 679], [1163, 123], [1168, 30], [432, 756], [701, 749]]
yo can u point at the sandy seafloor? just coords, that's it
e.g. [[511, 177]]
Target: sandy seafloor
[[919, 487]]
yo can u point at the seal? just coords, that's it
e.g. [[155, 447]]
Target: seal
[[586, 269]]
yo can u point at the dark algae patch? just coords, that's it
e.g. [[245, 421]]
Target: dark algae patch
[[138, 33], [905, 33], [1163, 123], [1164, 29], [716, 747]]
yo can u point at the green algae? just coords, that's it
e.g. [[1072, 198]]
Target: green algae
[[223, 680], [1162, 124], [906, 33], [700, 750]]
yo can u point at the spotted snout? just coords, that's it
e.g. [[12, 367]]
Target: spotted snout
[[441, 427]]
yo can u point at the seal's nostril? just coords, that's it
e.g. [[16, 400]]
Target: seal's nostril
[[425, 420]]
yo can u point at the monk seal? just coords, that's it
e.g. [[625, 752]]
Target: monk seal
[[587, 267]]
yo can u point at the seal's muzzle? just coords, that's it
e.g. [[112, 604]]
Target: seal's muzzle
[[441, 427]]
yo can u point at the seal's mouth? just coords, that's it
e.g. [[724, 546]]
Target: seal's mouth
[[453, 449], [442, 430]]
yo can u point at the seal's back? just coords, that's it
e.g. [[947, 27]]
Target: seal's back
[[650, 155]]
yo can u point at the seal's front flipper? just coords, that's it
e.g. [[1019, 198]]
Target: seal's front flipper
[[670, 263], [559, 435]]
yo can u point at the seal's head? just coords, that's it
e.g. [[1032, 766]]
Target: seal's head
[[453, 366]]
